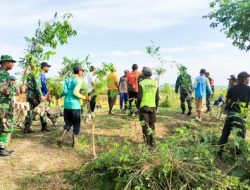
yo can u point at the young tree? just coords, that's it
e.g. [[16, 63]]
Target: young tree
[[234, 16], [46, 39]]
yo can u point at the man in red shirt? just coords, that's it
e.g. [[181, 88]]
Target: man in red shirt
[[132, 79]]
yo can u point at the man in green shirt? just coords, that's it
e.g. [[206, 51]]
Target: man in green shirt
[[72, 104], [147, 103], [6, 98]]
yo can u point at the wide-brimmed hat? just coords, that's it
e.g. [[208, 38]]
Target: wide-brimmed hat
[[232, 77], [6, 58]]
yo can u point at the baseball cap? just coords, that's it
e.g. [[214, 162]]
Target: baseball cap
[[12, 77], [6, 58], [147, 71], [45, 64], [243, 74]]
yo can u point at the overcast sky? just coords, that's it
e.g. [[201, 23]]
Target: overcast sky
[[119, 31]]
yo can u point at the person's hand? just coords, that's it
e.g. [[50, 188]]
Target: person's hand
[[43, 98], [89, 98], [6, 90]]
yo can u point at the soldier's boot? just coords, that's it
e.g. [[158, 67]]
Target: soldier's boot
[[4, 152], [27, 129], [74, 141], [189, 111], [45, 128], [182, 110], [60, 140]]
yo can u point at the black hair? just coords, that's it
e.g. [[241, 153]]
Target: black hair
[[91, 68], [134, 67], [76, 69]]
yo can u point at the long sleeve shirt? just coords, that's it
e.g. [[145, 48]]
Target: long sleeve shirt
[[44, 87], [71, 91]]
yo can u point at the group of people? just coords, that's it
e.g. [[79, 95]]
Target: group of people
[[137, 86], [203, 88]]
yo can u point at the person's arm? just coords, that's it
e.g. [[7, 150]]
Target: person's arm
[[209, 87], [139, 96], [44, 87], [4, 89], [177, 84], [157, 98], [77, 90], [65, 90], [195, 84], [117, 82]]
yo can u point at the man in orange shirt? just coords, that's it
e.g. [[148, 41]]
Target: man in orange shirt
[[112, 83], [132, 80]]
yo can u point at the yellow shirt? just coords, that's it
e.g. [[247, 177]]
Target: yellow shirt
[[112, 81]]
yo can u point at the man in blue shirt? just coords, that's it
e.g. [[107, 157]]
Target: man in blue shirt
[[45, 91], [201, 87]]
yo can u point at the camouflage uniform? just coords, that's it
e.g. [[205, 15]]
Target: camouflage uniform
[[33, 96], [184, 82], [6, 111]]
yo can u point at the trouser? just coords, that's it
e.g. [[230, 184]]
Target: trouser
[[148, 119], [31, 116], [6, 126], [123, 98], [93, 100], [184, 97], [72, 118], [233, 119], [132, 96], [208, 102]]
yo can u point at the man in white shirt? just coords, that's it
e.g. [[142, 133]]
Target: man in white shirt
[[91, 81]]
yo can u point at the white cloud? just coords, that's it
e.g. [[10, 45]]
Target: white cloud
[[130, 15]]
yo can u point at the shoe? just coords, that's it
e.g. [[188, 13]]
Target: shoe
[[183, 112], [208, 110], [10, 151], [198, 119], [189, 113], [4, 152], [45, 129], [28, 130], [59, 142]]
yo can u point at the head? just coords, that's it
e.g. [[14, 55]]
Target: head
[[112, 68], [232, 80], [91, 68], [147, 72], [182, 69], [7, 62], [45, 67], [202, 72], [12, 80], [243, 78], [207, 74], [77, 70], [126, 72], [134, 67]]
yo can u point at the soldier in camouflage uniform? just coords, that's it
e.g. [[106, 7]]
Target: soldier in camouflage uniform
[[184, 83], [6, 97], [34, 96]]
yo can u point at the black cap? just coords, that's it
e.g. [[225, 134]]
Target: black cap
[[232, 77], [203, 71], [243, 75], [45, 64], [134, 66]]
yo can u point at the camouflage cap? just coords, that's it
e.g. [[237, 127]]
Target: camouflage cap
[[6, 58], [12, 77]]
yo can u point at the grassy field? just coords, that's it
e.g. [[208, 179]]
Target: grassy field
[[122, 159]]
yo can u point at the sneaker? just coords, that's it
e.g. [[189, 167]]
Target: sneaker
[[198, 119], [4, 152]]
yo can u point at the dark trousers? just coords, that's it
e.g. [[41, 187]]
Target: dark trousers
[[123, 99], [72, 118], [208, 102], [31, 116], [132, 96], [232, 120], [148, 117], [183, 98], [93, 100]]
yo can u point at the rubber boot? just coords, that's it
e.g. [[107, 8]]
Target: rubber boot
[[74, 141], [189, 111], [60, 141], [183, 111], [27, 129], [45, 128]]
